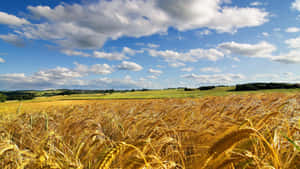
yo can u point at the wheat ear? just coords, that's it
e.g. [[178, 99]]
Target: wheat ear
[[111, 155]]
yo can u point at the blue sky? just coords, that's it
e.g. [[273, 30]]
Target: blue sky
[[124, 44]]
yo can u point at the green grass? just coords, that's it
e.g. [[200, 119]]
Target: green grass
[[156, 94]]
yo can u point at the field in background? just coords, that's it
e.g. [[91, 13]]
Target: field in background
[[251, 130], [155, 94]]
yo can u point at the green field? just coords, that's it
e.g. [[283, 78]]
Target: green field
[[157, 94]]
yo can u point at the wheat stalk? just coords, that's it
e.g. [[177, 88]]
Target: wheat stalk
[[111, 155]]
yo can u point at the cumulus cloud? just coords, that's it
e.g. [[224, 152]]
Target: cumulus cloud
[[259, 50], [187, 69], [109, 56], [264, 50], [204, 32], [154, 71], [210, 69], [215, 78], [292, 56], [61, 80], [125, 65], [77, 77], [40, 80], [176, 64], [116, 55], [231, 19], [296, 5], [102, 69], [256, 3], [192, 55], [293, 43], [2, 60], [90, 25], [287, 77], [12, 20], [265, 34], [61, 77], [123, 83], [292, 30], [13, 39], [74, 53], [191, 14]]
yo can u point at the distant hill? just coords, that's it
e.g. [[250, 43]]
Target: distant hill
[[263, 86]]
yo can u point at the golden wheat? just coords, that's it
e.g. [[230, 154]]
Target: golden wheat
[[237, 131]]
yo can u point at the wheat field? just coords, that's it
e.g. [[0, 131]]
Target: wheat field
[[236, 131]]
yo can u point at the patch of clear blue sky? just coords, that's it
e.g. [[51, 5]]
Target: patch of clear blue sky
[[37, 56]]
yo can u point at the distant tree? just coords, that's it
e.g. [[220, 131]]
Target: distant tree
[[2, 97], [262, 86], [206, 87], [189, 89], [19, 96]]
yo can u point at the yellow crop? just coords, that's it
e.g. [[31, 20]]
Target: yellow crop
[[231, 132]]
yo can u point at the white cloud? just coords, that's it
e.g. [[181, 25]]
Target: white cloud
[[64, 79], [231, 19], [215, 78], [256, 3], [61, 77], [292, 30], [13, 39], [296, 5], [187, 69], [11, 20], [90, 25], [125, 83], [204, 32], [74, 53], [109, 56], [192, 14], [192, 55], [265, 34], [292, 56], [259, 50], [130, 51], [102, 69], [125, 65], [154, 71], [293, 43], [287, 77], [59, 73], [176, 64], [264, 50], [2, 60], [40, 80], [116, 55], [210, 69]]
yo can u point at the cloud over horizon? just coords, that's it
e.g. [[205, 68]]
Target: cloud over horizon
[[136, 43]]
